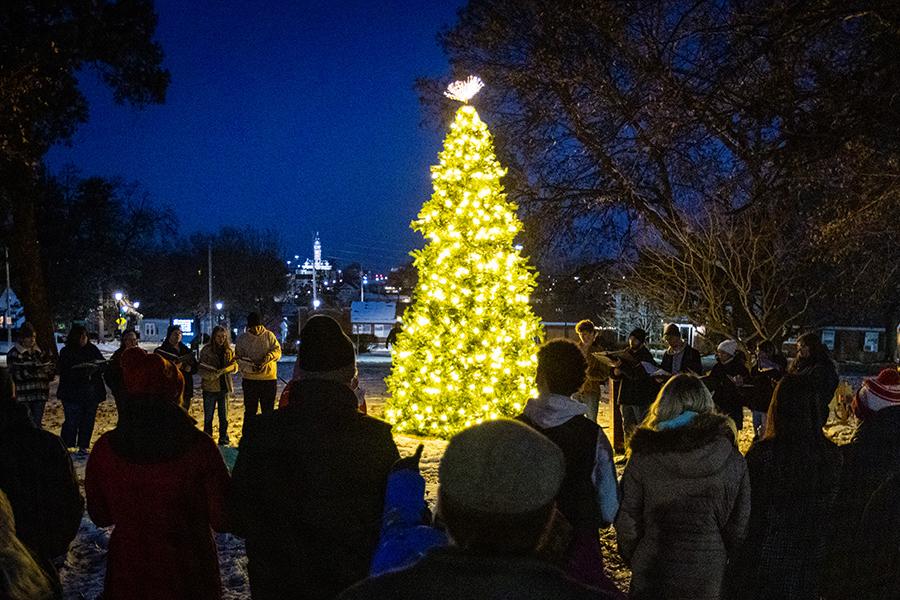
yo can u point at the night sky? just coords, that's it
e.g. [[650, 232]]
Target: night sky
[[294, 116]]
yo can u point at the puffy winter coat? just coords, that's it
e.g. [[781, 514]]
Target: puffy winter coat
[[162, 484], [685, 507], [308, 493], [792, 499], [258, 346], [37, 476]]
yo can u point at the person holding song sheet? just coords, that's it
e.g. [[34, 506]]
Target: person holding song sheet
[[32, 370], [81, 387], [636, 388], [217, 365], [679, 357], [727, 379], [176, 352]]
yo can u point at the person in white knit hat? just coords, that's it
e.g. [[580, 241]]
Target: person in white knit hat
[[729, 372]]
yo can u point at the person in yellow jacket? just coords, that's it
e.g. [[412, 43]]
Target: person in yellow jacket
[[257, 352], [217, 364]]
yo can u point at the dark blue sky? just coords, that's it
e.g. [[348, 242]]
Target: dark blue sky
[[296, 116]]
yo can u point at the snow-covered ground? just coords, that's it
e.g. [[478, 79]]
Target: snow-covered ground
[[83, 571]]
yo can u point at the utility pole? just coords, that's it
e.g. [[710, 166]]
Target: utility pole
[[6, 320], [209, 269], [100, 333]]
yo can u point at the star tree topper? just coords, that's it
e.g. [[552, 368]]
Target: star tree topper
[[463, 91]]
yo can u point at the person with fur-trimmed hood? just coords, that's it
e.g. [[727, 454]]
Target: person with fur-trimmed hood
[[161, 483], [589, 497], [309, 481], [685, 496], [860, 565]]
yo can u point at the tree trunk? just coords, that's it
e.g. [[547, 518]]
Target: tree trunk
[[26, 260]]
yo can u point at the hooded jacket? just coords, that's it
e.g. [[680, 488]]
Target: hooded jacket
[[162, 484], [258, 346], [685, 508], [588, 496]]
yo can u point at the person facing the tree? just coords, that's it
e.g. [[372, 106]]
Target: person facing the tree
[[812, 361], [498, 483], [257, 352], [173, 350], [588, 497], [31, 370], [309, 481], [636, 389], [161, 484], [81, 388], [589, 343]]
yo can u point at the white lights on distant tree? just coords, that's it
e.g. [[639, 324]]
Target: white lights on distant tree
[[463, 91]]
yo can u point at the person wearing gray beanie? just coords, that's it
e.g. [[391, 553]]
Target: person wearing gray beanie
[[497, 484]]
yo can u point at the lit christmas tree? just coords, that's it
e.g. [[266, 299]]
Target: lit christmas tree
[[467, 352]]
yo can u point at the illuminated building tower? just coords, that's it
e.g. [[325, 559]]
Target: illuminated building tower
[[468, 345]]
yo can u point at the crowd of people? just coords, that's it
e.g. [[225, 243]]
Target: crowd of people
[[329, 509]]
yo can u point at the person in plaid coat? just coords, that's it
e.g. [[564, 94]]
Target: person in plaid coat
[[32, 370]]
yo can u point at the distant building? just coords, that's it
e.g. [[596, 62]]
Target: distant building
[[373, 318], [9, 301]]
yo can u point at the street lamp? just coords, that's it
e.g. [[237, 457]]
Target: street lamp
[[316, 303], [137, 304], [219, 305], [118, 296]]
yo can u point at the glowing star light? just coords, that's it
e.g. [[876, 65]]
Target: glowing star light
[[463, 91]]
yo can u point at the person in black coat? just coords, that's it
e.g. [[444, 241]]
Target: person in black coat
[[725, 380], [81, 387], [871, 460], [172, 349], [767, 370], [679, 357], [794, 475], [309, 482], [37, 476], [113, 375], [813, 363], [636, 389]]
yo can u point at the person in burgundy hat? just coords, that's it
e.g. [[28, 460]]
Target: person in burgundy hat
[[871, 460], [161, 483]]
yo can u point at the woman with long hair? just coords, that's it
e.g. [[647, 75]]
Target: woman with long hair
[[815, 365], [794, 477], [685, 496], [217, 364], [20, 576], [81, 388]]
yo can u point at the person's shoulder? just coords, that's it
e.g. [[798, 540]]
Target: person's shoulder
[[374, 424]]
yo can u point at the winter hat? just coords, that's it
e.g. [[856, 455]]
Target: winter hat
[[151, 375], [324, 346], [639, 334], [672, 329], [501, 467], [880, 392], [729, 347]]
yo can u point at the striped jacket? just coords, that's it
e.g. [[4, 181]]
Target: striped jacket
[[32, 371]]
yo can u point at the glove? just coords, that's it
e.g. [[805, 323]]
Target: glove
[[410, 462]]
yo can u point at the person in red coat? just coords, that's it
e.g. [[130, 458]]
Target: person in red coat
[[161, 483]]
